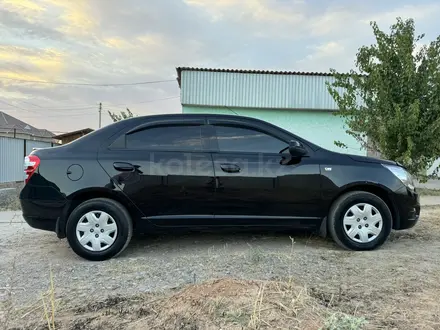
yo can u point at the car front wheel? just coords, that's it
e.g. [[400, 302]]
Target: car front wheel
[[359, 220], [99, 229]]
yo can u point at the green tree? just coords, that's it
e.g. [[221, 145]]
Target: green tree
[[123, 115], [391, 103]]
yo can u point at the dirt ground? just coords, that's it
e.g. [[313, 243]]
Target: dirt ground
[[223, 281]]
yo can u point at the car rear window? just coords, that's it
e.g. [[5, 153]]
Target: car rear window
[[177, 137]]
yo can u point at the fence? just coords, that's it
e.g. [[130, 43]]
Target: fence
[[12, 153], [433, 168]]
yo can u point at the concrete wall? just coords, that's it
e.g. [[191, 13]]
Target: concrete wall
[[319, 127]]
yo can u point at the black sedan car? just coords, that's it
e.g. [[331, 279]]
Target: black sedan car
[[210, 171]]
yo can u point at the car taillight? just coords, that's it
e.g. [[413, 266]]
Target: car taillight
[[31, 163]]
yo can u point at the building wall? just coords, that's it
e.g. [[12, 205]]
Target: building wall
[[319, 127], [251, 90], [30, 145], [11, 159], [432, 170], [12, 153], [26, 136], [71, 138]]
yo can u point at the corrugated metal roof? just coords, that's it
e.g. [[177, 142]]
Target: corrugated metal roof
[[80, 131], [297, 73], [9, 123]]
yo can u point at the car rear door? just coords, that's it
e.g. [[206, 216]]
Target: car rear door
[[254, 183], [163, 168]]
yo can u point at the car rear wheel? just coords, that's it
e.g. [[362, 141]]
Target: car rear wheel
[[359, 220], [99, 229]]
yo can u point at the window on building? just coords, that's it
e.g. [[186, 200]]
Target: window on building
[[240, 139], [166, 137]]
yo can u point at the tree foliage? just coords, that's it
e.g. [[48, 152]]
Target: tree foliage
[[391, 103], [123, 115]]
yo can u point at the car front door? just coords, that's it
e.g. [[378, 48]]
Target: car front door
[[256, 182], [163, 168]]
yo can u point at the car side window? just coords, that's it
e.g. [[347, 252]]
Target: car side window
[[178, 137], [241, 139]]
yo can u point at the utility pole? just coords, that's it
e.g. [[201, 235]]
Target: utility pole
[[100, 111]]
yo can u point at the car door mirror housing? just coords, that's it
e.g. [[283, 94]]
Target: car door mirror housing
[[296, 149]]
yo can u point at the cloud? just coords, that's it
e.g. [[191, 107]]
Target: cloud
[[78, 17], [30, 64], [105, 41], [258, 18], [28, 9], [340, 54], [327, 49], [322, 56], [258, 10], [333, 21], [417, 12], [21, 26]]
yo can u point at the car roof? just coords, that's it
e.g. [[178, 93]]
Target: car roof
[[234, 117], [107, 131], [193, 115], [177, 116]]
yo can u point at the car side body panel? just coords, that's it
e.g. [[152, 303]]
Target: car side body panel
[[299, 195], [341, 173], [265, 184]]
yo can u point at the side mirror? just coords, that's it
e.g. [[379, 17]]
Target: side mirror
[[296, 149]]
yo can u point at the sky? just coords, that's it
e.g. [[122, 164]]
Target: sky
[[53, 53]]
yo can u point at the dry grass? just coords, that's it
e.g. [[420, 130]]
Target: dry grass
[[9, 200], [428, 192], [240, 304], [43, 311], [48, 302], [7, 306], [218, 304], [402, 296]]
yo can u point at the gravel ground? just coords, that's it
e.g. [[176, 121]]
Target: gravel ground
[[9, 193], [397, 286], [402, 277]]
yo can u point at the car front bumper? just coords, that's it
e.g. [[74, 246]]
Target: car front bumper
[[408, 206]]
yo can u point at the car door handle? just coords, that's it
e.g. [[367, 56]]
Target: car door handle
[[123, 167], [230, 168]]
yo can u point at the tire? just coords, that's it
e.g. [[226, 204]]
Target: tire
[[104, 226], [348, 216]]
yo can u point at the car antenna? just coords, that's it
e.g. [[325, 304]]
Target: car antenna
[[232, 111]]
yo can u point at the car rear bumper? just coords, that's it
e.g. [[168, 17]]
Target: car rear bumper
[[42, 214], [42, 205], [40, 223], [409, 210]]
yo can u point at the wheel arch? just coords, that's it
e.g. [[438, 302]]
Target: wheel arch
[[374, 188], [89, 193]]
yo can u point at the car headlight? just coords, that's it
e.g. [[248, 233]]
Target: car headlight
[[402, 174]]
